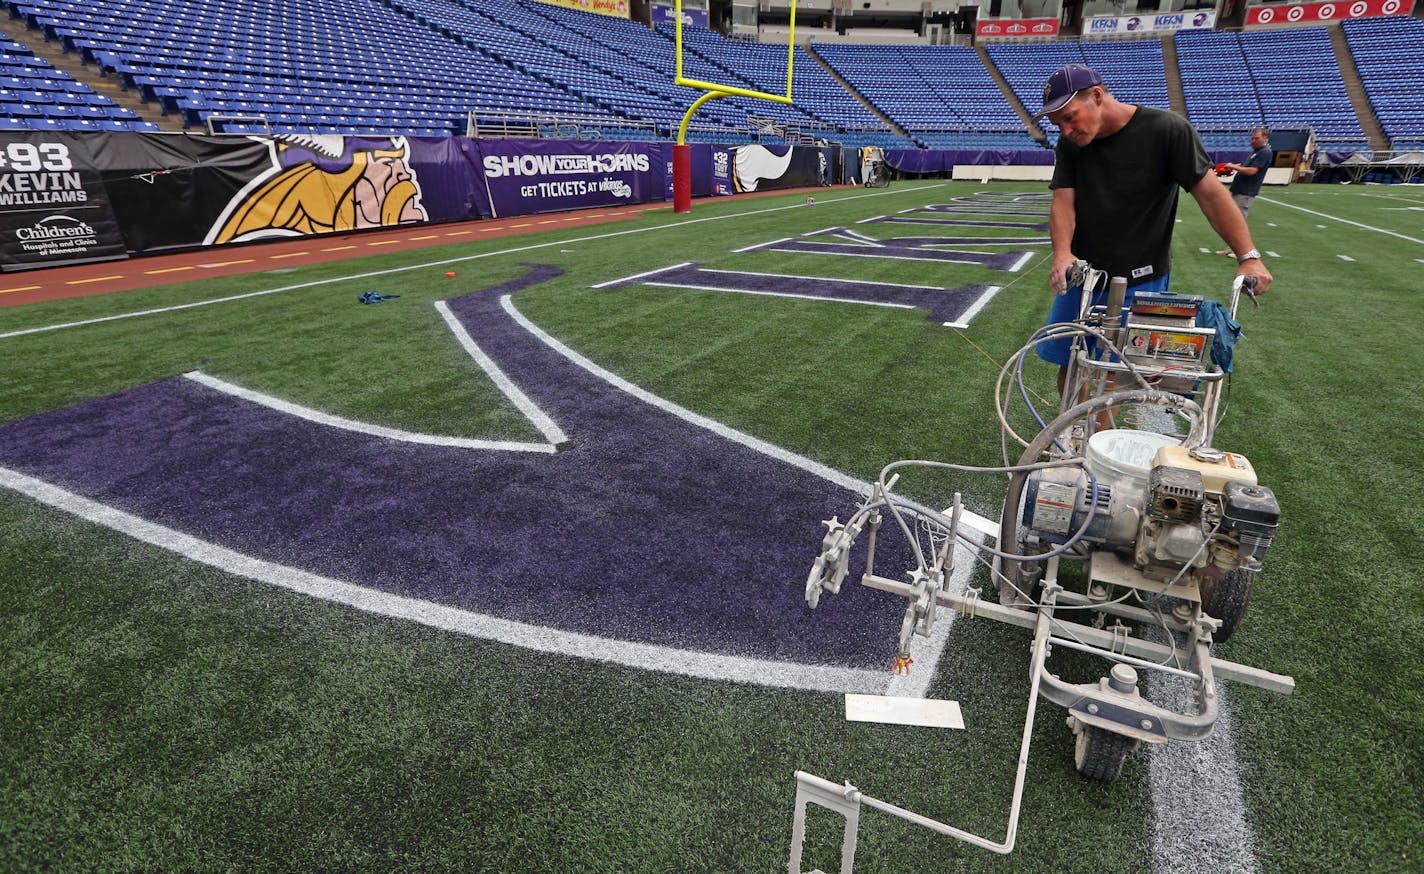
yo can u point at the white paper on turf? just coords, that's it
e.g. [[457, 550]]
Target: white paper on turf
[[903, 711]]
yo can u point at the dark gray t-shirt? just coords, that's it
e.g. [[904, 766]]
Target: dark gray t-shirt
[[1250, 186], [1125, 191]]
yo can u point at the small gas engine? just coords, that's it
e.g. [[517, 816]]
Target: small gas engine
[[1165, 510]]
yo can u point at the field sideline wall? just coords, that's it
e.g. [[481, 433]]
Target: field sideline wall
[[72, 197]]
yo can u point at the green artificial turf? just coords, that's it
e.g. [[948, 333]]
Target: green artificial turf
[[160, 715]]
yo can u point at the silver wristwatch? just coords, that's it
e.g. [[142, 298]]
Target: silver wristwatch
[[1247, 256]]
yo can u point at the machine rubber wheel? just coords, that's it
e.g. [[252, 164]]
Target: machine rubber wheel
[[1227, 600], [1099, 753]]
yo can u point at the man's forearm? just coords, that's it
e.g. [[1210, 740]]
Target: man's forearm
[[1221, 212], [1061, 224]]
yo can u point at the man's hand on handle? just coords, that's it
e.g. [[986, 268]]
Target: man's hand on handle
[[1057, 275], [1257, 268]]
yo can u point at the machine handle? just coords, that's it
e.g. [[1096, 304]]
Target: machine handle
[[1243, 284]]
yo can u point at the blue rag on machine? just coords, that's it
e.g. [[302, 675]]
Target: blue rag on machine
[[1213, 315]]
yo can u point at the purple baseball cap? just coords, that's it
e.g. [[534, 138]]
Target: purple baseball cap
[[1065, 82]]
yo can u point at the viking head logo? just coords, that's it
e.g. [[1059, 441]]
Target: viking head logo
[[322, 184]]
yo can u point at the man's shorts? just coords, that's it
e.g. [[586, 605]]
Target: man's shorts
[[1066, 306], [1243, 203]]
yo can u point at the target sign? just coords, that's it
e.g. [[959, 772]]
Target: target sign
[[1329, 11]]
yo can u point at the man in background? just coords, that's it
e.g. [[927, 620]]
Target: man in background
[[1250, 174]]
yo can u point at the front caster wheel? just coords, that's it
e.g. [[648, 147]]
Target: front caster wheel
[[1099, 753]]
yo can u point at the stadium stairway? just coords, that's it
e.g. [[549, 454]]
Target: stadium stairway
[[851, 90], [1175, 95], [1030, 127], [1369, 122], [53, 51]]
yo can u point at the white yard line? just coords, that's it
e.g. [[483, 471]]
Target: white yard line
[[1342, 221], [1396, 199], [1199, 821]]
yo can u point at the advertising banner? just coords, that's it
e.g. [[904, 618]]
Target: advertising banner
[[617, 8], [711, 169], [764, 168], [172, 192], [928, 161], [1165, 22], [522, 177], [1298, 13], [84, 196], [722, 183], [53, 207], [690, 17], [1016, 27]]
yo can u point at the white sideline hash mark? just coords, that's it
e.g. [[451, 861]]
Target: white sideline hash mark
[[1344, 257]]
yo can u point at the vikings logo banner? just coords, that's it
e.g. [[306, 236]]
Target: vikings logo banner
[[179, 192], [321, 184], [768, 167]]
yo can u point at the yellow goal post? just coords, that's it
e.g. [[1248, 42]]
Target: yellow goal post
[[681, 176]]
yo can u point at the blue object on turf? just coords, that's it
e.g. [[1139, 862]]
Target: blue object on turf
[[376, 297], [1213, 315]]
